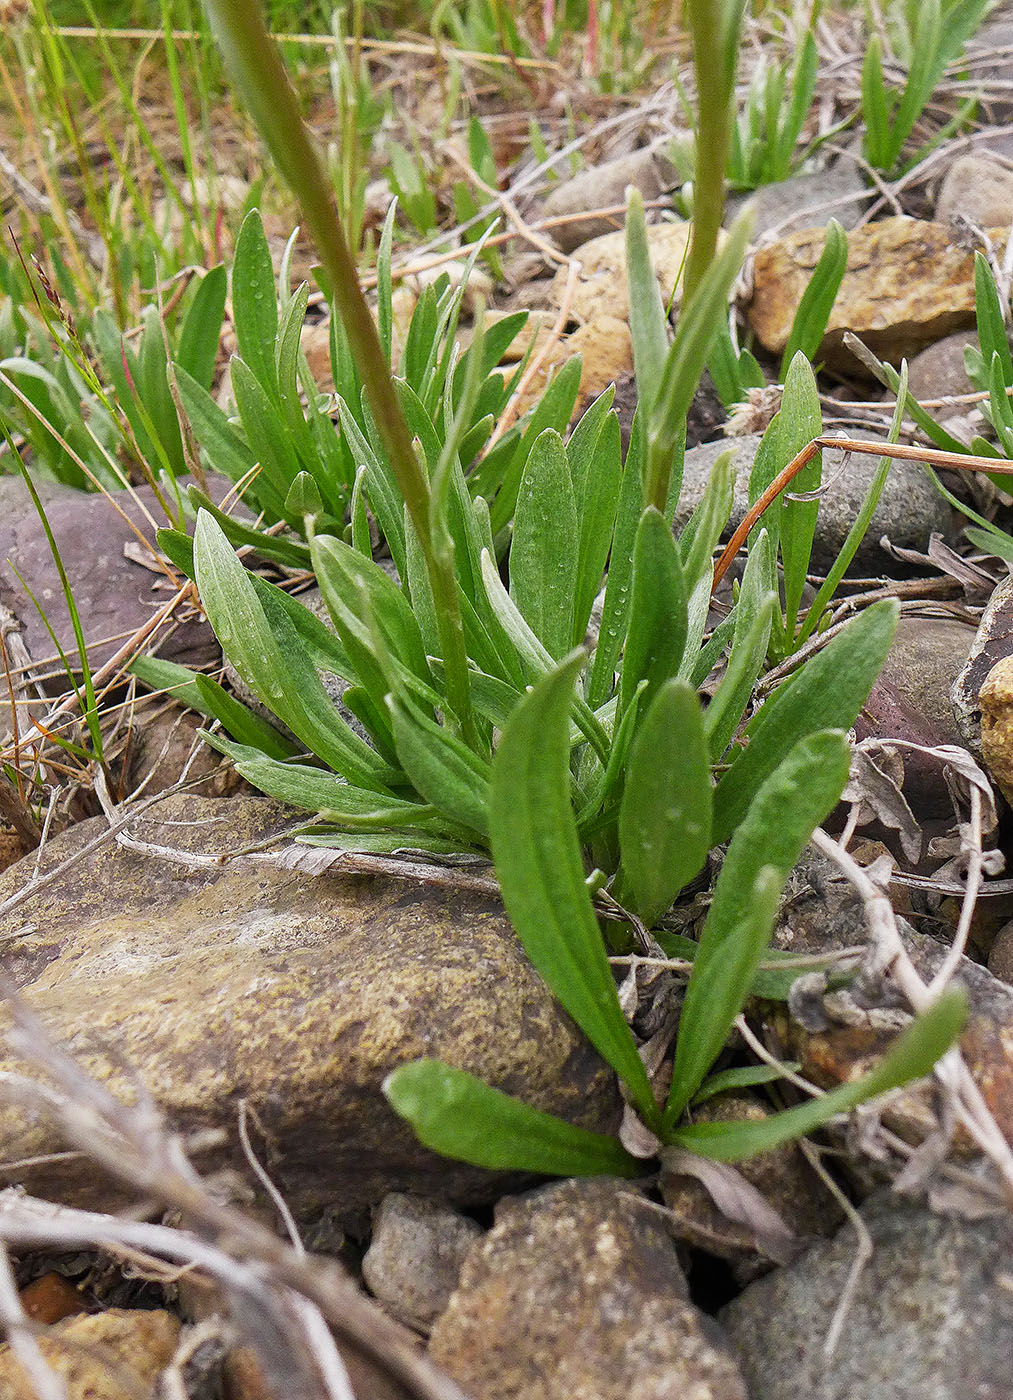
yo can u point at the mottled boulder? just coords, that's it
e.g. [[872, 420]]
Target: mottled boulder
[[212, 982], [115, 593], [603, 186], [576, 1294]]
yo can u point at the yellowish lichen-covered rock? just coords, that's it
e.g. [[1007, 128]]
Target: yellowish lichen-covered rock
[[907, 283], [996, 701], [209, 982], [114, 1355]]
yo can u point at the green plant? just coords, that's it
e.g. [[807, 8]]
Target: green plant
[[538, 861], [766, 133], [930, 34]]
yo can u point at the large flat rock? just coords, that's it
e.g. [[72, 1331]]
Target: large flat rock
[[297, 993]]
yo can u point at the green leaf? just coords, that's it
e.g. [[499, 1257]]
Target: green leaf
[[202, 327], [261, 642], [255, 304], [553, 410], [742, 1077], [810, 322], [454, 1113], [544, 553], [764, 849], [538, 863], [596, 467], [665, 815], [441, 767], [657, 635], [827, 693], [648, 323], [992, 336], [753, 615], [859, 525], [616, 607], [799, 421], [284, 549], [912, 1056]]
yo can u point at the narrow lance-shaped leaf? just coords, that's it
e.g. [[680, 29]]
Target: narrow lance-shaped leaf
[[800, 421], [648, 323], [912, 1056], [665, 815], [254, 303], [544, 553], [538, 862], [780, 820], [658, 622], [454, 1113], [827, 693]]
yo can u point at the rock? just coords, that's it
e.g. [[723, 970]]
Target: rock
[[804, 201], [844, 1032], [938, 372], [988, 57], [606, 350], [601, 288], [114, 595], [297, 993], [909, 510], [931, 1315], [603, 186], [907, 283], [414, 1258], [114, 1355], [978, 190], [911, 701], [993, 642], [576, 1294], [161, 745], [1000, 959], [996, 702]]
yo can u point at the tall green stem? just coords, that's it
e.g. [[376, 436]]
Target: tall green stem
[[715, 26], [256, 68]]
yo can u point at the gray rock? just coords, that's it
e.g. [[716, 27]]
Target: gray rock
[[938, 372], [602, 186], [932, 1314], [297, 993], [909, 510], [805, 201], [978, 189], [414, 1259], [576, 1294], [911, 701], [994, 640], [114, 595]]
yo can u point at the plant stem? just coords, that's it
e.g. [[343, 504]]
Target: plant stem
[[253, 60], [714, 25]]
